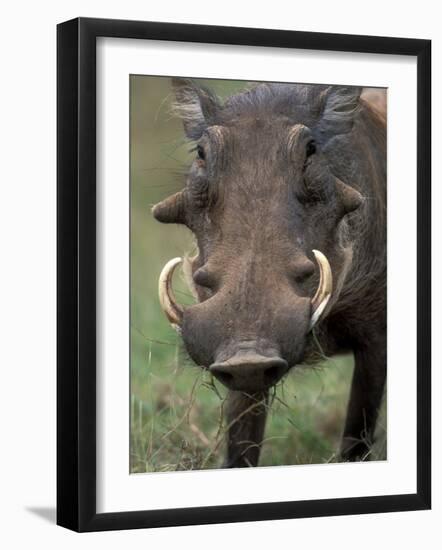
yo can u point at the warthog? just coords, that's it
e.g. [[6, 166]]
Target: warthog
[[286, 198]]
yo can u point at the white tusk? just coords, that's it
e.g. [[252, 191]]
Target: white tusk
[[325, 288], [173, 311]]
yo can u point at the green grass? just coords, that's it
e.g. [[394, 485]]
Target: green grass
[[177, 420], [176, 408]]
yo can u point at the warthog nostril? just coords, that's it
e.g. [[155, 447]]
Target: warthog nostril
[[225, 377], [249, 372], [273, 374]]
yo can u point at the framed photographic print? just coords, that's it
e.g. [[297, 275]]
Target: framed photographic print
[[243, 274]]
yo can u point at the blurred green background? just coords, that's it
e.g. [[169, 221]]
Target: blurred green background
[[176, 408]]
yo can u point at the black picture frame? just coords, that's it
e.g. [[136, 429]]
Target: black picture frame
[[76, 274]]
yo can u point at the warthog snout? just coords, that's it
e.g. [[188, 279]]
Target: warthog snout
[[249, 371]]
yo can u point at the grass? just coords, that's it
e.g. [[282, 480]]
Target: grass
[[177, 418]]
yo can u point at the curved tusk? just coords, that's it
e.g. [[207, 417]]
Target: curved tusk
[[325, 288], [173, 311]]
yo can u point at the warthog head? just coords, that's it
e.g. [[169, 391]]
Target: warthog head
[[268, 215]]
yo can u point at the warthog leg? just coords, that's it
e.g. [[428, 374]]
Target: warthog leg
[[246, 418], [365, 399]]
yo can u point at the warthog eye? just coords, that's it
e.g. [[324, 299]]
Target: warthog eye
[[310, 148], [200, 153]]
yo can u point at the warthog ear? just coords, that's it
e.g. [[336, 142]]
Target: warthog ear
[[340, 104], [195, 105], [170, 210]]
